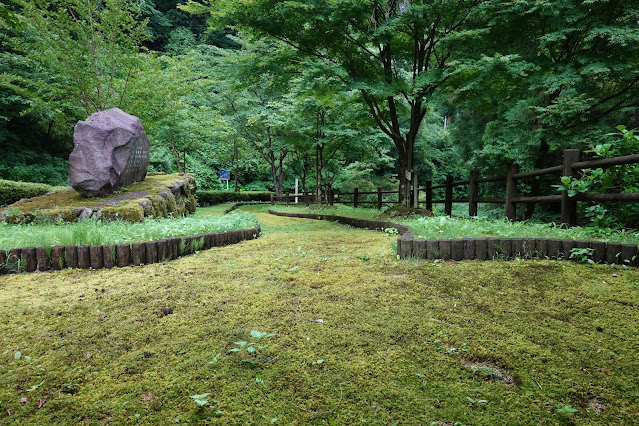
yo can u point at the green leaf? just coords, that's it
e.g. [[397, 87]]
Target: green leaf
[[250, 349], [202, 396], [17, 355]]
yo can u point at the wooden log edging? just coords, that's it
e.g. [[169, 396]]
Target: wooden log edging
[[489, 248], [31, 259], [352, 221], [244, 203]]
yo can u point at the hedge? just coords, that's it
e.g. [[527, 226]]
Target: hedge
[[11, 191], [207, 198]]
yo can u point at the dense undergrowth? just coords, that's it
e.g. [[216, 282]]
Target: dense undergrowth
[[341, 331], [441, 226], [95, 232]]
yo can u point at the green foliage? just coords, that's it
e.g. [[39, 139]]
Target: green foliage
[[254, 352], [619, 179], [10, 191], [582, 255], [86, 48], [207, 198]]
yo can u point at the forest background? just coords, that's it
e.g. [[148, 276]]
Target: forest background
[[350, 93]]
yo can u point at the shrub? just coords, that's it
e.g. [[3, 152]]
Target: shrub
[[11, 191], [206, 198]]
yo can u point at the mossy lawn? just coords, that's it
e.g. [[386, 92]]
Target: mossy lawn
[[361, 337]]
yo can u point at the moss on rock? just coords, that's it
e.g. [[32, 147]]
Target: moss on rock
[[157, 196], [128, 213]]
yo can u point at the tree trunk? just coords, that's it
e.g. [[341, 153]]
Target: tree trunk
[[535, 185], [235, 163], [280, 181], [176, 156]]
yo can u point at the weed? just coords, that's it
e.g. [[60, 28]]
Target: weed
[[253, 351], [566, 409], [582, 255], [214, 360], [199, 399]]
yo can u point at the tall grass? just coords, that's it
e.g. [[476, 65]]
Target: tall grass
[[489, 223], [451, 227], [93, 232]]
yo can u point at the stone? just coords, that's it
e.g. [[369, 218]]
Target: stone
[[110, 150]]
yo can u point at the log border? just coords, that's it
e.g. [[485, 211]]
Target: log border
[[487, 248], [107, 256]]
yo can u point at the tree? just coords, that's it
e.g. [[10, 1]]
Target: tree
[[550, 75], [247, 86], [86, 47], [396, 53]]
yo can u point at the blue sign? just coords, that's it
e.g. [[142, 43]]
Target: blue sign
[[223, 175]]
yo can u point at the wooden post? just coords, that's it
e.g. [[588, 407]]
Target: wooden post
[[448, 203], [569, 205], [272, 199], [379, 198], [306, 198], [287, 194], [415, 189], [511, 192], [429, 195], [473, 193], [355, 197], [330, 195]]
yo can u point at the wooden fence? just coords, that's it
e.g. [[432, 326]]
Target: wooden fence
[[570, 167]]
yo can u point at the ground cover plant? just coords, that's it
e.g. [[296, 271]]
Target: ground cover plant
[[94, 232], [441, 226], [342, 333]]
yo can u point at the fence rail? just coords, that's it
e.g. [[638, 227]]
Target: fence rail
[[570, 167]]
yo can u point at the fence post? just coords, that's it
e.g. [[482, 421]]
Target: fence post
[[379, 198], [415, 189], [272, 199], [473, 193], [429, 195], [448, 202], [287, 194], [330, 195], [511, 192], [569, 205], [306, 197], [355, 197]]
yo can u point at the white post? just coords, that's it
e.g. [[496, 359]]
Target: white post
[[296, 188], [227, 184]]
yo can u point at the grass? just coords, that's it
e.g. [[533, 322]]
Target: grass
[[94, 232], [442, 226], [360, 337]]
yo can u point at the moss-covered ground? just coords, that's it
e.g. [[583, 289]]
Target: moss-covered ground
[[362, 337]]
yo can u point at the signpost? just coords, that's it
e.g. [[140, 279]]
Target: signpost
[[224, 175]]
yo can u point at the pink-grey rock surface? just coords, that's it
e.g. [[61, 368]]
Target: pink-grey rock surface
[[110, 150]]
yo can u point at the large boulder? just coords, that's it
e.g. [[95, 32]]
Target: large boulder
[[110, 150]]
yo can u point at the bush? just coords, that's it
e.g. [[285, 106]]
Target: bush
[[11, 191], [207, 198]]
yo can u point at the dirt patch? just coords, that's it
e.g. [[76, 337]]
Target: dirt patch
[[596, 406], [491, 371]]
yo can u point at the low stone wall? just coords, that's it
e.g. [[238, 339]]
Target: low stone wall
[[159, 195], [31, 259], [489, 248]]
